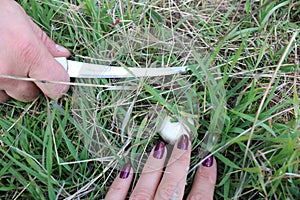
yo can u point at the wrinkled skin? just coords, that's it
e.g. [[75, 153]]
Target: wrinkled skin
[[26, 51]]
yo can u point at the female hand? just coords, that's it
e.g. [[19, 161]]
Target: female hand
[[26, 51], [171, 186]]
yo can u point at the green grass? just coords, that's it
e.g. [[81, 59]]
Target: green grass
[[242, 93]]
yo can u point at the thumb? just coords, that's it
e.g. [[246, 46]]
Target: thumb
[[48, 69]]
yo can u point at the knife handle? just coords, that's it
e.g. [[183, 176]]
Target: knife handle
[[63, 61]]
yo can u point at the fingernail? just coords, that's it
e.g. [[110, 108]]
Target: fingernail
[[208, 162], [159, 150], [183, 142], [125, 171], [61, 48]]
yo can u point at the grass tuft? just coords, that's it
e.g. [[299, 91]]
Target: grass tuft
[[242, 93]]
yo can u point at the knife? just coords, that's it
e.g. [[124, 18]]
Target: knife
[[77, 69]]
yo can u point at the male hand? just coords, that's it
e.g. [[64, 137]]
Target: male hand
[[26, 51]]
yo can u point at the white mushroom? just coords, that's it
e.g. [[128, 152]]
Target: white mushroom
[[171, 130]]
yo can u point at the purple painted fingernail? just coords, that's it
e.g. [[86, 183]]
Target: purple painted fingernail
[[159, 150], [125, 171], [208, 162], [183, 142]]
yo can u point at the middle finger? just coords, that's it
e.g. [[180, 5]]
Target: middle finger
[[173, 182], [21, 90]]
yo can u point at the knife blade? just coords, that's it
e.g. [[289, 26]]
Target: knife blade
[[77, 69]]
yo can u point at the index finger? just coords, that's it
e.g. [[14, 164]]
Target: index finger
[[48, 69]]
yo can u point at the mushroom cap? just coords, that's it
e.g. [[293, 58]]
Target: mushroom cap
[[171, 130]]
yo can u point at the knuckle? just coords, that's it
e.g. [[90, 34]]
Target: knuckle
[[168, 191], [183, 158], [142, 195], [209, 178], [28, 52], [46, 40], [183, 154], [44, 37], [115, 188], [180, 159]]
